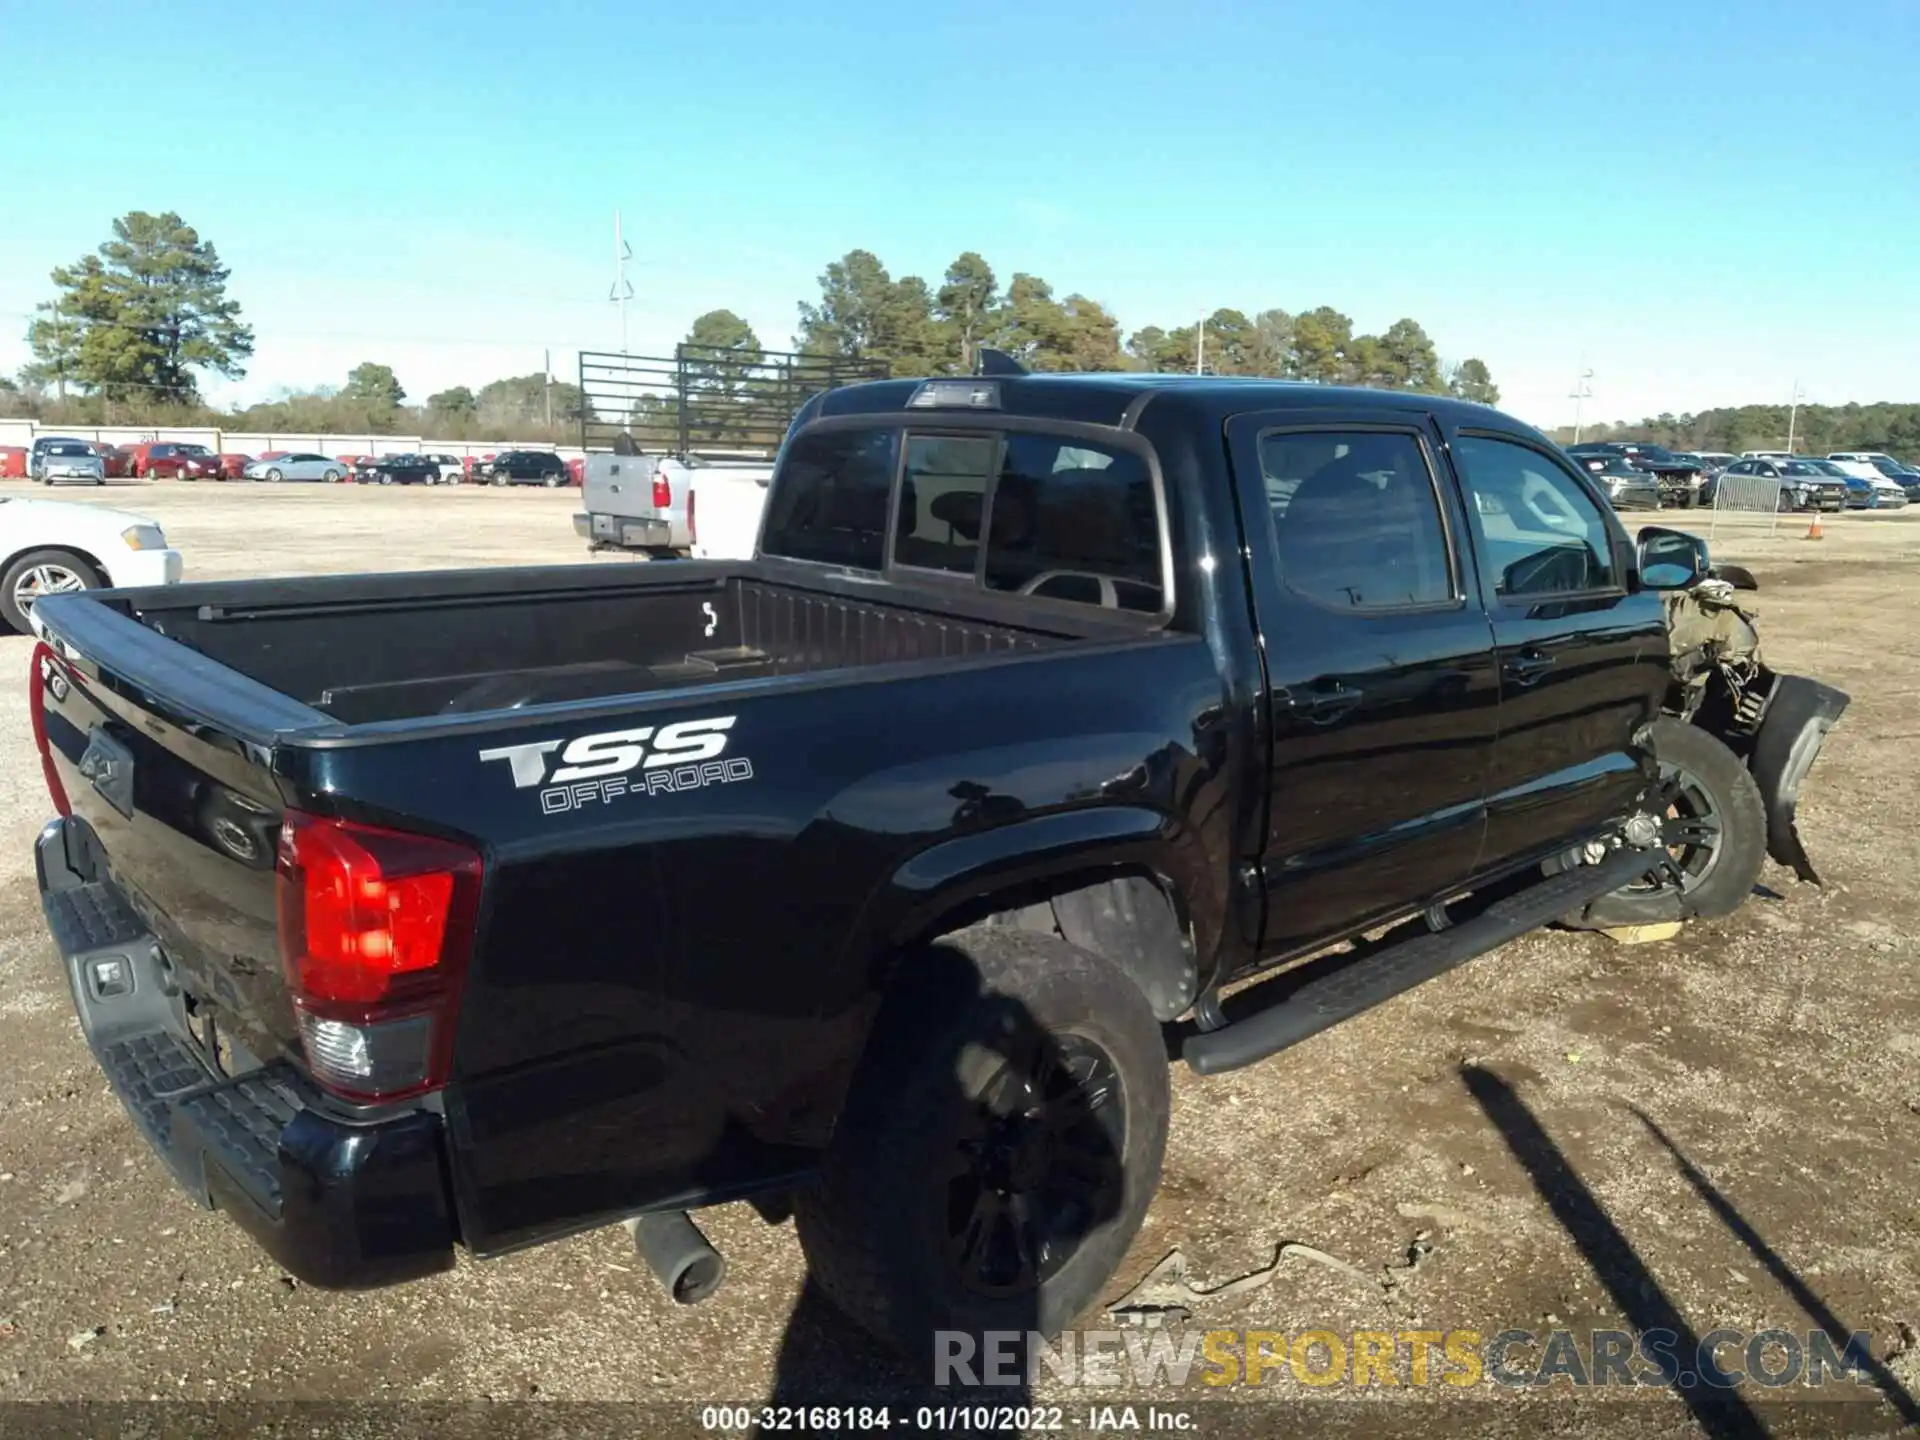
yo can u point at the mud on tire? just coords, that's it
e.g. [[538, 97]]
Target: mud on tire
[[1001, 1145]]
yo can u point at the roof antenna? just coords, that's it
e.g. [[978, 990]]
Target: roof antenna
[[989, 361]]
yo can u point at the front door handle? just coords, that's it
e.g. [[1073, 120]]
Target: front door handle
[[1321, 703], [1528, 666]]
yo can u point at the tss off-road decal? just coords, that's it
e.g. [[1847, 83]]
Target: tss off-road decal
[[600, 768]]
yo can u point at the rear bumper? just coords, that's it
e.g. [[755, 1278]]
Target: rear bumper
[[338, 1203], [619, 530]]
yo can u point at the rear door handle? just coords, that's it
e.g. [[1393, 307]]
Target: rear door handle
[[1528, 666], [1321, 703]]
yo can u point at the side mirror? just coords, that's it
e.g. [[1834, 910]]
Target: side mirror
[[1671, 559]]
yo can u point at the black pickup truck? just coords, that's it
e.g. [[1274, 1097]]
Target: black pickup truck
[[874, 880]]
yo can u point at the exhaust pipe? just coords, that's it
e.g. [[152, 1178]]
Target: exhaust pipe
[[678, 1254]]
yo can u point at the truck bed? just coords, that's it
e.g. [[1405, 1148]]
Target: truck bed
[[386, 648]]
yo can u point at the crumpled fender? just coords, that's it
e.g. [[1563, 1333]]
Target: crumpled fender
[[1799, 714]]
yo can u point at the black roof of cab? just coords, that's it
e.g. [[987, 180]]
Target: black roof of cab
[[1119, 399]]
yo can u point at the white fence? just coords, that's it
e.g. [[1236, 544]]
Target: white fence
[[231, 442]]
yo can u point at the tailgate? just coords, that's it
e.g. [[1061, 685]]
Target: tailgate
[[621, 485], [183, 818]]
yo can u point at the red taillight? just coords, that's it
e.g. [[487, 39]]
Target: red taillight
[[46, 671], [662, 491], [693, 532], [376, 927]]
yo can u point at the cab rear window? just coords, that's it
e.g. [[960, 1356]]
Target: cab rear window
[[1022, 512]]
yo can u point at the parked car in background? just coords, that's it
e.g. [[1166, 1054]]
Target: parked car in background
[[1626, 486], [1909, 483], [197, 462], [49, 547], [1797, 485], [1888, 493], [1679, 480], [452, 469], [1878, 459], [112, 459], [170, 460], [233, 466], [1906, 476], [41, 445], [1860, 491], [527, 467], [397, 470], [1715, 460], [13, 462], [1766, 455], [1878, 478], [297, 465], [577, 471], [68, 462]]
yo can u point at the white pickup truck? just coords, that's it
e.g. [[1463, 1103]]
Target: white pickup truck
[[667, 508]]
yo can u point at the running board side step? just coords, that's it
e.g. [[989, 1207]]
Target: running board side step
[[1324, 1002]]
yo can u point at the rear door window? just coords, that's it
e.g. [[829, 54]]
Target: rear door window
[[830, 502], [1356, 519]]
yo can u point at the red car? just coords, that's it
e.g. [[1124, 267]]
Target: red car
[[234, 467], [171, 460], [13, 462], [113, 458], [577, 472]]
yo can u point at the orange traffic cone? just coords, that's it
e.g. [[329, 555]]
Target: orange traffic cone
[[1813, 530]]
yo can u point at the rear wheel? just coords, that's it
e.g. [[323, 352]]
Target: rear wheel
[[1001, 1145], [40, 573], [551, 482], [1714, 829]]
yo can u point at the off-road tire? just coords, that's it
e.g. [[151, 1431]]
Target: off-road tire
[[1735, 798], [874, 1229]]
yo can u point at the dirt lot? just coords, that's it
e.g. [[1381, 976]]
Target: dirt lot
[[1721, 1130]]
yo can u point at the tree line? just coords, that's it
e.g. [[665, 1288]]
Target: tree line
[[916, 328], [1813, 429]]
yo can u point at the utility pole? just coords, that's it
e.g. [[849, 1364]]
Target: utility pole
[[1200, 346], [622, 290], [546, 375], [1580, 394], [1793, 413], [60, 338]]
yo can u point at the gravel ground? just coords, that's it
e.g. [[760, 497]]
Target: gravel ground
[[1719, 1130]]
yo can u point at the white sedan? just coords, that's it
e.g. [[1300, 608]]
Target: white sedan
[[48, 547]]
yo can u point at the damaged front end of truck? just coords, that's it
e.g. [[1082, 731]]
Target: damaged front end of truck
[[1775, 723]]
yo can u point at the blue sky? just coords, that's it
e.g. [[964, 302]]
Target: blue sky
[[1702, 202]]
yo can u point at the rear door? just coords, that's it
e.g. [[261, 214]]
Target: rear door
[[1583, 657], [1383, 700]]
